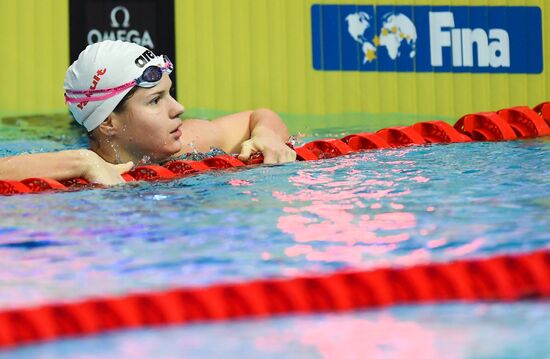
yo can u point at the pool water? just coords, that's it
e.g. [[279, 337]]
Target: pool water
[[518, 330], [395, 207]]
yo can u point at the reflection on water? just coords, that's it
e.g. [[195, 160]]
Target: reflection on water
[[346, 337], [352, 212]]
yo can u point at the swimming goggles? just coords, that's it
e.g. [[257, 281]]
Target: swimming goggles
[[150, 77]]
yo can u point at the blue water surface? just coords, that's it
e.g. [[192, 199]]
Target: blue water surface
[[395, 207]]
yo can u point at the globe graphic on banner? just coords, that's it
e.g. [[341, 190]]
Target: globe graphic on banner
[[397, 35]]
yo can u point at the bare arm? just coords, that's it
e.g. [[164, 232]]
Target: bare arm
[[244, 133], [63, 165], [268, 134]]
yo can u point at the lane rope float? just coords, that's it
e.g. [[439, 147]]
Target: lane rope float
[[501, 278], [507, 124]]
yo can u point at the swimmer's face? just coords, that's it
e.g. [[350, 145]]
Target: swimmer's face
[[149, 125]]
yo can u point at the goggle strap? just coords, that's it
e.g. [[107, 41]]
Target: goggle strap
[[94, 91], [112, 92]]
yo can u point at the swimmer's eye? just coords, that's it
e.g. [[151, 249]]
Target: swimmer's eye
[[155, 100]]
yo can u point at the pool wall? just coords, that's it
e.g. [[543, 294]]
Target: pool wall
[[294, 56]]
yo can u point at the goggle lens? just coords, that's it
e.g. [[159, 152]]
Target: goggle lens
[[153, 74]]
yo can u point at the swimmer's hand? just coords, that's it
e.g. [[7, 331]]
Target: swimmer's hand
[[272, 147], [97, 170], [63, 165]]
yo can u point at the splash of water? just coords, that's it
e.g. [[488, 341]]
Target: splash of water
[[146, 159], [192, 145]]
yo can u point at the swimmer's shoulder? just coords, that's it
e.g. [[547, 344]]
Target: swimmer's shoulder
[[199, 134]]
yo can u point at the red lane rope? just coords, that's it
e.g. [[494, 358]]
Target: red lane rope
[[502, 278], [507, 124]]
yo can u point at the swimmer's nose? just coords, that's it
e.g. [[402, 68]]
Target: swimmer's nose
[[177, 109]]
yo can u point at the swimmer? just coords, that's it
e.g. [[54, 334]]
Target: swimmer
[[120, 92]]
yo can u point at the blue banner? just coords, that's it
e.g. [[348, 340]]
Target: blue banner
[[478, 39]]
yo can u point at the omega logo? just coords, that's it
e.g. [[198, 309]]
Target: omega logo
[[120, 31], [125, 12]]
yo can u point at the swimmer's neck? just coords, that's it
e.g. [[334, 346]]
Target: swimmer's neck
[[111, 152]]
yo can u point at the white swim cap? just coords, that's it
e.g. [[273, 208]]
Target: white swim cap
[[105, 65]]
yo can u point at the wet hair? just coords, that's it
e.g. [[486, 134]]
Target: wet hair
[[122, 104]]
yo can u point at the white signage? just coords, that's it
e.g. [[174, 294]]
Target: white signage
[[120, 31], [493, 49]]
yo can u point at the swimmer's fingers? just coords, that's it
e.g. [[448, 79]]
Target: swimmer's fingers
[[270, 157], [282, 154], [246, 150], [286, 154], [123, 167], [273, 150], [119, 170], [105, 173], [289, 156]]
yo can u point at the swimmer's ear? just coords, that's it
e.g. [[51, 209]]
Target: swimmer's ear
[[107, 127]]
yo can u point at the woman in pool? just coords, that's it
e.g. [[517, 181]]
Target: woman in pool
[[120, 92]]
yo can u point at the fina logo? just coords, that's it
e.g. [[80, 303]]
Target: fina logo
[[398, 34], [131, 35]]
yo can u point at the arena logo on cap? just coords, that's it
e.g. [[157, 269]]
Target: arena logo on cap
[[440, 39], [144, 58], [118, 32]]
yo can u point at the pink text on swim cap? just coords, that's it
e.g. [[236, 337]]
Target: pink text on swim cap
[[95, 81]]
